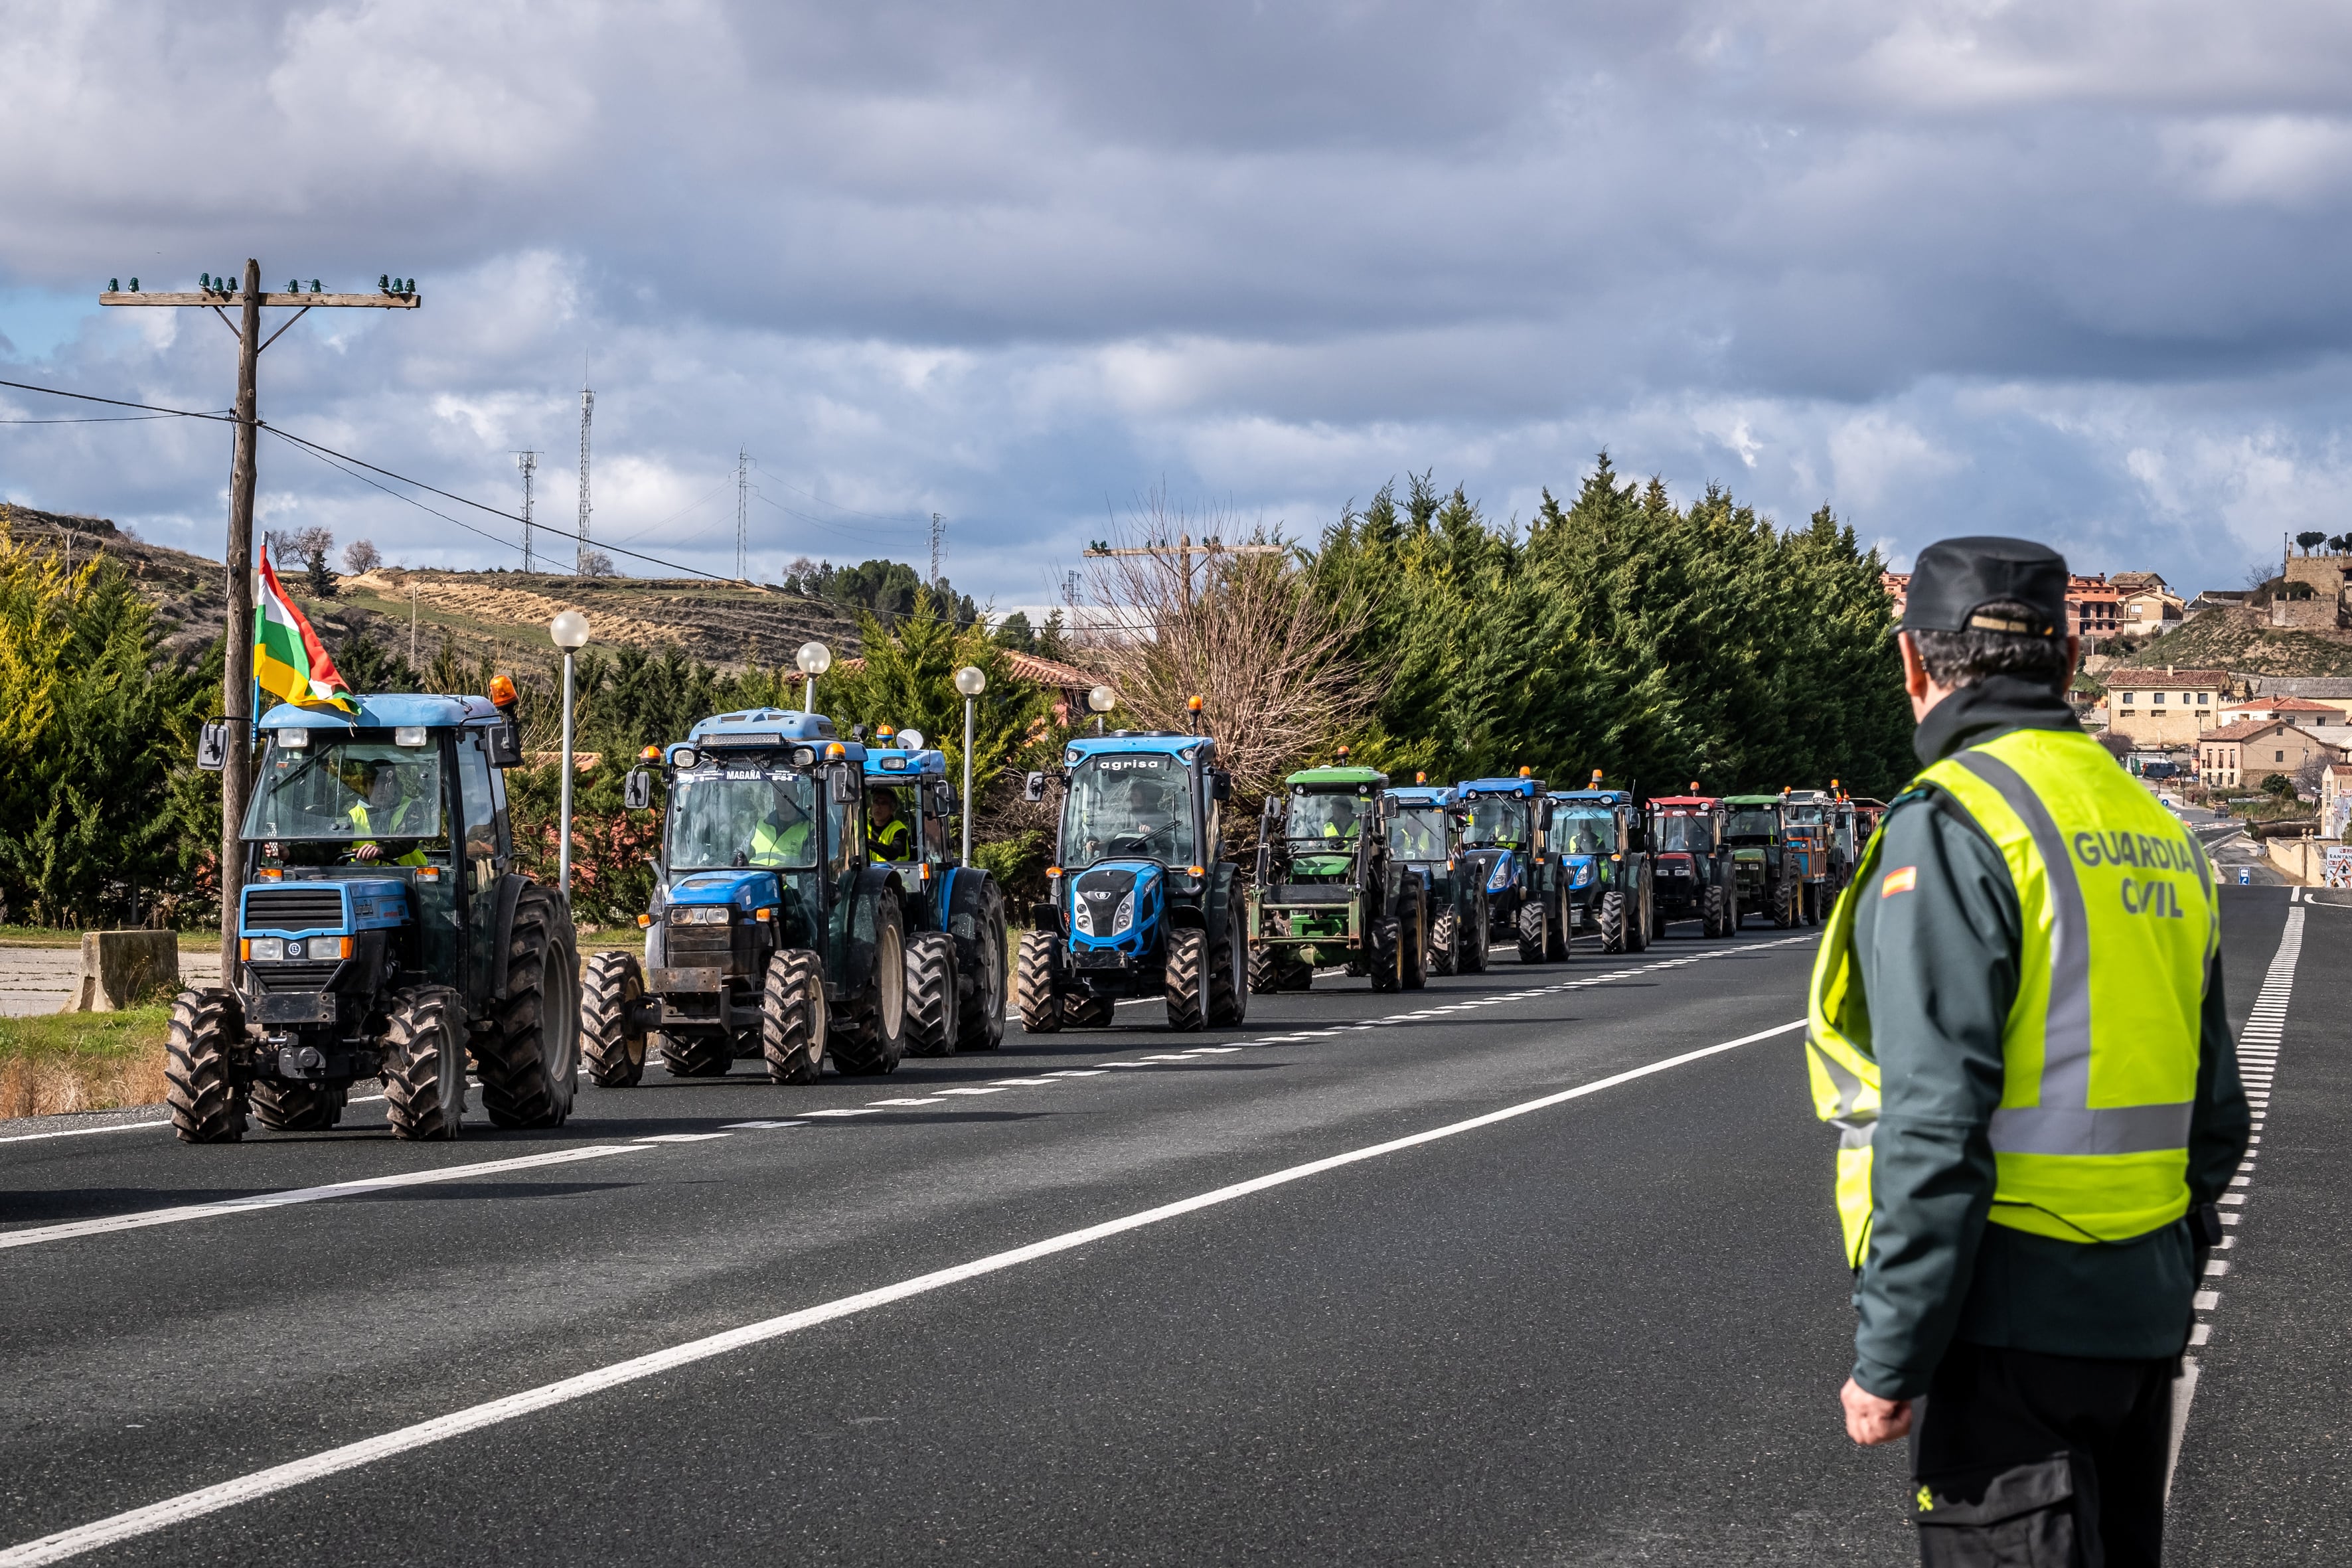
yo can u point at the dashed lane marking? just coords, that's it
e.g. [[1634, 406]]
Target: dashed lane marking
[[156, 1516]]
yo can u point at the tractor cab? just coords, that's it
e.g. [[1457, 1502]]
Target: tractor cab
[[955, 914], [1425, 835], [1597, 834], [1769, 861], [1503, 834], [1328, 888]]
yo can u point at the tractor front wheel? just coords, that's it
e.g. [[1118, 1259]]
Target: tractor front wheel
[[1384, 955], [425, 1066], [1041, 1009], [1412, 942], [870, 1035], [529, 1056], [1228, 976], [298, 1107], [207, 1107], [1443, 933], [980, 1015], [1188, 978], [1612, 922], [1476, 936], [1784, 904], [1716, 920], [616, 985], [1534, 936], [1265, 968], [792, 1017], [699, 1054], [930, 994]]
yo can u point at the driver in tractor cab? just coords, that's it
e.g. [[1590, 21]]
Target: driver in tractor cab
[[1343, 827], [1416, 841], [388, 808], [886, 838], [1147, 806], [781, 837]]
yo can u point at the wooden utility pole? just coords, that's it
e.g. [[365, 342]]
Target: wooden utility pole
[[237, 662], [1183, 549]]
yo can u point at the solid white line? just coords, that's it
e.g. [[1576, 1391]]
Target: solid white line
[[83, 1132], [262, 1483], [261, 1201]]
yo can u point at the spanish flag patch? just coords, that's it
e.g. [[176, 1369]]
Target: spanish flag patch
[[1901, 879]]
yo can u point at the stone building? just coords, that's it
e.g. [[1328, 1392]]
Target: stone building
[[2161, 710], [2313, 596], [2243, 755]]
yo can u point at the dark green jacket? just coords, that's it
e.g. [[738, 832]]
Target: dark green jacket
[[1939, 968]]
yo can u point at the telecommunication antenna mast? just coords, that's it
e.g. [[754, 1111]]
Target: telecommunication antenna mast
[[742, 514], [938, 538], [528, 463], [587, 413]]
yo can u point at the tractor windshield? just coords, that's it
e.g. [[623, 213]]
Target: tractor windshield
[[743, 817], [1685, 834], [1498, 819], [1326, 818], [1802, 815], [1419, 833], [1585, 832], [347, 795], [1752, 822], [1135, 806]]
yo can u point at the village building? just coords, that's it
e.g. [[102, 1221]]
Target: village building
[[2147, 606], [2243, 755], [2167, 709]]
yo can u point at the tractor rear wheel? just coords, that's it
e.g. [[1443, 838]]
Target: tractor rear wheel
[[1637, 921], [1265, 967], [616, 985], [792, 1017], [1476, 937], [699, 1054], [1228, 976], [424, 1065], [1813, 891], [1533, 936], [869, 1036], [207, 1107], [297, 1107], [1612, 922], [1412, 942], [930, 995], [1041, 1010], [1557, 934], [1716, 920], [1443, 931], [1188, 978], [1085, 1010], [980, 1011], [1783, 899], [1384, 955], [529, 1056]]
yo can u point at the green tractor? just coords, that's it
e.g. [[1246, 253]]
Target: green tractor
[[382, 933], [1773, 865], [1328, 890]]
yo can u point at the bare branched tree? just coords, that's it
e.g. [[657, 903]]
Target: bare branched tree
[[360, 556], [1241, 631]]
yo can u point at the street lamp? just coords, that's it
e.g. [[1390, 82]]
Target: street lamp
[[815, 659], [1102, 699], [971, 683], [570, 631]]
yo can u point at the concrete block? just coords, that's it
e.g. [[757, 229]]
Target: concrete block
[[118, 967]]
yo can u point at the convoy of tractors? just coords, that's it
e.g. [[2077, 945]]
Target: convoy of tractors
[[808, 907]]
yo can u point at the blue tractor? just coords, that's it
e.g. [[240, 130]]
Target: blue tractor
[[382, 933], [771, 932], [1426, 836], [1503, 834], [955, 914], [1611, 886], [1141, 901]]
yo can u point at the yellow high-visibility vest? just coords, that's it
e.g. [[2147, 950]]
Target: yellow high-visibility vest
[[774, 846], [888, 840], [2100, 1049]]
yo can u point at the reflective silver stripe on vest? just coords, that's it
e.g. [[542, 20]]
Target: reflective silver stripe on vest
[[2066, 1032], [1849, 1088], [2116, 1129]]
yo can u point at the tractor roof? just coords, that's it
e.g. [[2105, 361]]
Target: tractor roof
[[895, 763], [1595, 796], [1529, 787], [1751, 800], [1424, 795], [774, 726], [385, 711], [1339, 776], [1164, 743], [1683, 802]]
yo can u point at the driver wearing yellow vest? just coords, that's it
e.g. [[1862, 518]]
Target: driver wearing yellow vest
[[1341, 829], [781, 837], [886, 838], [2017, 1022], [390, 811]]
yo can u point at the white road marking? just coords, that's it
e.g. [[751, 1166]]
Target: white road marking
[[1012, 1082], [846, 1110], [1078, 1073], [926, 1099], [263, 1201], [146, 1521], [972, 1090], [678, 1137], [83, 1132], [763, 1125]]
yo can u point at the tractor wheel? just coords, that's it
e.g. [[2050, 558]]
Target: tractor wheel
[[529, 1061], [1266, 969], [1637, 922], [1781, 896], [1612, 922], [424, 1065], [1188, 978], [1716, 920], [1476, 937], [792, 1017], [1443, 931], [1813, 891], [1557, 934], [930, 995], [1413, 942], [1533, 938], [696, 1054], [1084, 1011], [869, 1036], [207, 1107], [298, 1107], [980, 1013], [1384, 955], [616, 985], [1298, 976], [1229, 977], [1041, 1010]]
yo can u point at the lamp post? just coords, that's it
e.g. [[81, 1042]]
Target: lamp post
[[815, 659], [971, 683], [570, 631], [1102, 699]]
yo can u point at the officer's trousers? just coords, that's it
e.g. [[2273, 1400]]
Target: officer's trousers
[[2041, 1461]]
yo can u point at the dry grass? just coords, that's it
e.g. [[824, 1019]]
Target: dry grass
[[59, 1062]]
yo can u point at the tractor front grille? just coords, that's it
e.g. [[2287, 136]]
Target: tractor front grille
[[294, 907], [304, 976], [699, 947]]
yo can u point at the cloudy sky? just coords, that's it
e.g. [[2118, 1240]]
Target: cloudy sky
[[2076, 272]]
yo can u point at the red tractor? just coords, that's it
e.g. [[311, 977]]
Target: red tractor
[[1691, 865]]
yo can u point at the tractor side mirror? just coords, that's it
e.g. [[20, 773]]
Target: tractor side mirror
[[637, 790], [842, 786], [945, 801], [1220, 786], [506, 745], [1388, 807], [1033, 787], [212, 745]]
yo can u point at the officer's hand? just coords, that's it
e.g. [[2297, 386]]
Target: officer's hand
[[1871, 1420]]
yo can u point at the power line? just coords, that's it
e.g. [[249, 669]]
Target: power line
[[94, 420], [875, 516]]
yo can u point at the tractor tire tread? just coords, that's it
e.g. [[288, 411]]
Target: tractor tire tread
[[417, 1099], [1041, 1009], [206, 1103], [1187, 988], [615, 1059], [792, 1017], [524, 1083], [930, 995]]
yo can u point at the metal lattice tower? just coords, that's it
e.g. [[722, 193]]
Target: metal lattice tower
[[743, 515], [938, 538], [528, 463], [587, 413]]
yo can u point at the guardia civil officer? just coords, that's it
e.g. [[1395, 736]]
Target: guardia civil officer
[[2017, 1021]]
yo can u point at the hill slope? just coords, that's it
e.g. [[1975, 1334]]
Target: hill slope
[[2234, 639]]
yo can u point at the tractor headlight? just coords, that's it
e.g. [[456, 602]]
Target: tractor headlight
[[697, 915], [1125, 915], [1500, 876], [1582, 876], [266, 949]]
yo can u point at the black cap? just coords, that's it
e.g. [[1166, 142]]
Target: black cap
[[1953, 579]]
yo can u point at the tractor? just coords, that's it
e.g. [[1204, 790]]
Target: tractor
[[1769, 865], [1329, 889], [1503, 837], [382, 933], [955, 914], [1598, 834], [1140, 900], [771, 932], [1425, 834], [1810, 815], [1691, 863]]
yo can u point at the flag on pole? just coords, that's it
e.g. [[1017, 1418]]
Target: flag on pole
[[288, 661]]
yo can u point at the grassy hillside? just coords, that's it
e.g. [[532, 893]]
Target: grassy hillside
[[2229, 639]]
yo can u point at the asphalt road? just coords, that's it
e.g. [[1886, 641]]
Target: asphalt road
[[1183, 1305]]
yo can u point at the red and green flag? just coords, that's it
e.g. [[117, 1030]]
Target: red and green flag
[[288, 661]]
